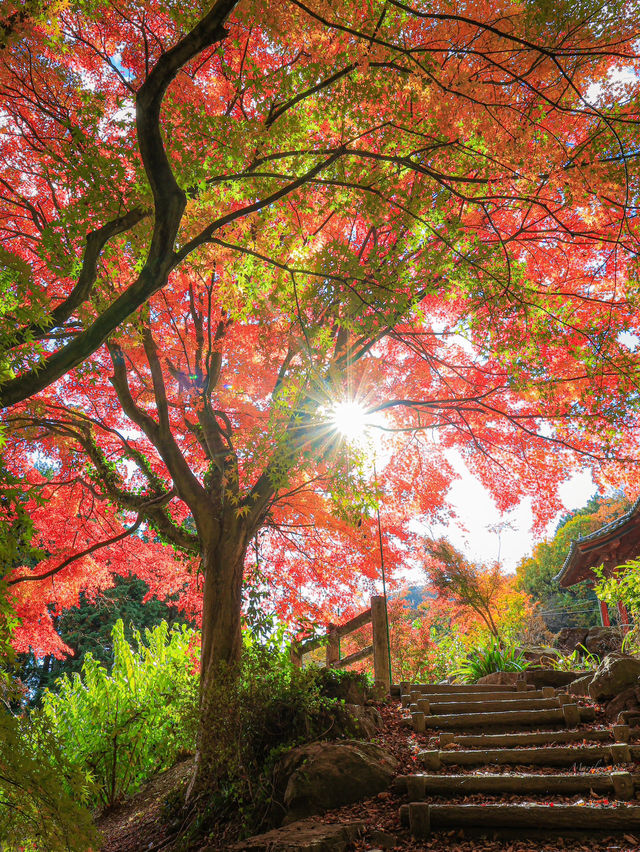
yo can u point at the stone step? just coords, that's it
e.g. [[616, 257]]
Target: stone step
[[552, 756], [619, 785], [569, 714], [619, 733], [424, 818], [441, 708], [306, 835]]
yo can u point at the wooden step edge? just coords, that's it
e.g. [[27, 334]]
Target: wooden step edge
[[619, 785], [571, 714], [442, 708], [470, 720], [423, 818], [475, 697], [617, 733], [406, 687], [615, 753]]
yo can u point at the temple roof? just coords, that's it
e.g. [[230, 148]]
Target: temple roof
[[618, 540]]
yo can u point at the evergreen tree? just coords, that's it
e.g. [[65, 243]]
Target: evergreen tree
[[87, 628], [576, 606]]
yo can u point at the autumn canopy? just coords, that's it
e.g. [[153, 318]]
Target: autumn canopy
[[221, 219]]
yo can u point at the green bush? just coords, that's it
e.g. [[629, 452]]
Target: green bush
[[255, 715], [122, 726], [41, 792], [488, 659], [343, 684]]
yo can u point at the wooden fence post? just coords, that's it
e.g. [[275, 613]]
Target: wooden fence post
[[333, 645], [381, 672]]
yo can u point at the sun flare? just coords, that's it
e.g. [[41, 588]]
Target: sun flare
[[350, 419]]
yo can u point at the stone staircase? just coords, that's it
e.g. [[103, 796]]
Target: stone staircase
[[522, 733]]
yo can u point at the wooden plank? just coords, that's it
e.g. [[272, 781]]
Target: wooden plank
[[355, 623], [572, 817], [459, 687], [530, 738], [553, 756], [419, 786], [353, 658], [442, 708], [508, 717], [477, 697]]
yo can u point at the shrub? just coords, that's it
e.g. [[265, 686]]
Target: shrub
[[342, 684], [41, 792], [255, 715], [488, 659], [122, 726]]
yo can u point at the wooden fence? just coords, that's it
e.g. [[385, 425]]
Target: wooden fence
[[379, 649]]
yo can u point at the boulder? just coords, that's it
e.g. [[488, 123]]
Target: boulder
[[550, 677], [501, 678], [614, 674], [349, 687], [580, 686], [540, 657], [367, 720], [302, 836], [601, 641], [569, 638], [627, 702], [319, 776]]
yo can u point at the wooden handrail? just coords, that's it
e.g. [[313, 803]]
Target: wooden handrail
[[355, 623], [353, 658], [376, 614]]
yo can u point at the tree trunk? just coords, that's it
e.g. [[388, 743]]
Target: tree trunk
[[223, 568]]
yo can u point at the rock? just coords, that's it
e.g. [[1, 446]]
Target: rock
[[318, 776], [601, 641], [349, 687], [501, 677], [580, 686], [614, 674], [627, 703], [540, 657], [570, 637], [367, 720], [381, 839], [302, 836], [550, 677]]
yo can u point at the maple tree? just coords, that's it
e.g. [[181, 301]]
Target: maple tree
[[481, 595], [225, 220], [469, 585]]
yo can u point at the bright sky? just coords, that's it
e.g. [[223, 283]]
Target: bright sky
[[481, 532], [489, 535]]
